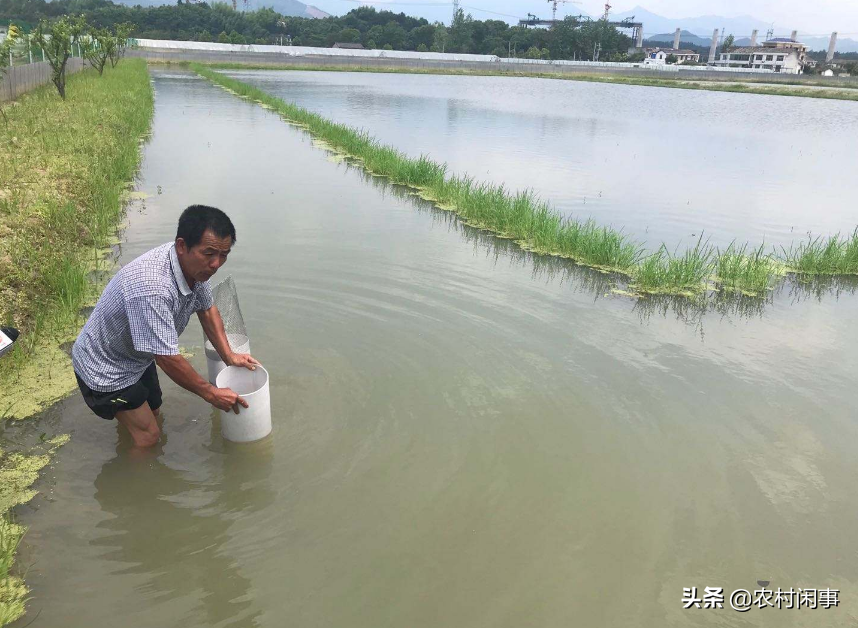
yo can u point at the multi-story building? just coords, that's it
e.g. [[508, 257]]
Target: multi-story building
[[779, 55]]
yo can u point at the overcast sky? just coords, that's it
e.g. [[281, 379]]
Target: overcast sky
[[808, 16]]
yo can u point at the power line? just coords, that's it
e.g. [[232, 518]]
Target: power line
[[518, 17]]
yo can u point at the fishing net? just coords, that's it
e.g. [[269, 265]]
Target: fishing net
[[226, 300]]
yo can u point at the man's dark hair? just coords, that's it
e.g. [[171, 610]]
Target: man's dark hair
[[196, 219]]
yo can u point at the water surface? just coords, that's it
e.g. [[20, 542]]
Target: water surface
[[663, 164], [465, 435]]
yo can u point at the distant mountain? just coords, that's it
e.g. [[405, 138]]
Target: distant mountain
[[292, 8], [686, 37], [698, 30], [701, 26], [813, 43]]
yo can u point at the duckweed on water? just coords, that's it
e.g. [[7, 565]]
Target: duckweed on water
[[18, 472], [535, 226]]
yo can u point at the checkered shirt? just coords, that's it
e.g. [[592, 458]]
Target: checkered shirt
[[140, 314]]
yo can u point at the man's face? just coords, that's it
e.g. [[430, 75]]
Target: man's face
[[203, 260]]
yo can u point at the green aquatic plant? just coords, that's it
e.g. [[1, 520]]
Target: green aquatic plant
[[663, 272], [834, 255], [751, 272], [532, 223]]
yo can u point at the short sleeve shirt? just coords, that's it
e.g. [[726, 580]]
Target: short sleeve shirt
[[141, 313]]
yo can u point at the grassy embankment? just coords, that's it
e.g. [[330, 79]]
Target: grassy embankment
[[532, 223], [64, 169], [718, 83]]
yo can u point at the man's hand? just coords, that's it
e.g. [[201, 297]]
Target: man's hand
[[243, 359], [225, 399]]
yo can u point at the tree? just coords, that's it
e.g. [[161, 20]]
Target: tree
[[349, 36], [422, 48], [564, 39], [223, 38], [728, 43], [120, 38], [439, 40], [670, 59], [533, 53], [236, 38], [98, 47], [56, 40], [393, 35], [204, 36], [421, 36], [5, 51], [460, 32]]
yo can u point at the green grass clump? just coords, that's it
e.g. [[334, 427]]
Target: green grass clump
[[834, 255], [665, 273], [535, 226], [752, 273]]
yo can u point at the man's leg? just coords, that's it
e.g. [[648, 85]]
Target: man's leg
[[142, 424]]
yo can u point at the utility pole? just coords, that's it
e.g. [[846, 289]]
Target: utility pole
[[607, 11], [455, 10]]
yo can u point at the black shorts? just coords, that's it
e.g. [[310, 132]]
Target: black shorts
[[107, 404]]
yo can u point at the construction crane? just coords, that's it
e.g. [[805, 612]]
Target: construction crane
[[554, 4], [607, 11]]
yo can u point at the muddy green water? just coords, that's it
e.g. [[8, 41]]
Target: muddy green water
[[465, 435]]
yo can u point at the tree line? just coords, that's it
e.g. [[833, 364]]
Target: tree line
[[55, 41], [199, 21]]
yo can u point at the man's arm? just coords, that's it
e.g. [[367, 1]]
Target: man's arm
[[180, 371], [212, 324]]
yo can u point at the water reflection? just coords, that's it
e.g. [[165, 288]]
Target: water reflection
[[182, 549]]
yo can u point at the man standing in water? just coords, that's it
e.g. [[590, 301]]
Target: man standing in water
[[137, 322]]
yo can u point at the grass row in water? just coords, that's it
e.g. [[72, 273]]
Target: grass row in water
[[719, 83], [530, 221]]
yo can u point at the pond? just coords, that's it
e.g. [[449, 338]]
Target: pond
[[465, 435], [663, 164]]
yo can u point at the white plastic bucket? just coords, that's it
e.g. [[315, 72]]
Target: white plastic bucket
[[239, 344], [253, 422]]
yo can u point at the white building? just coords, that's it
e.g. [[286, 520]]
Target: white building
[[779, 55], [658, 56], [3, 33]]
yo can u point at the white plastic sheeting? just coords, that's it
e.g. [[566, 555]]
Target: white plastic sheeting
[[307, 51]]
